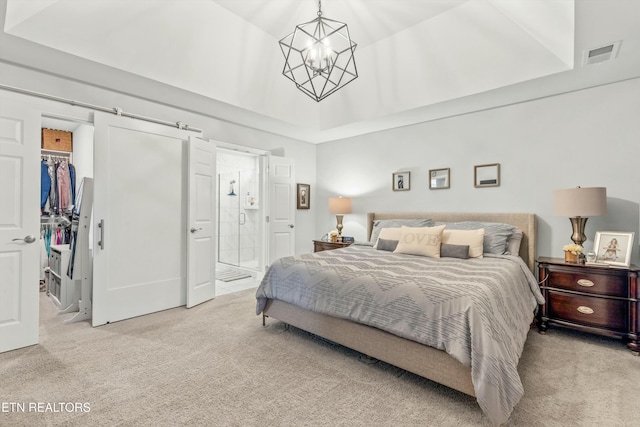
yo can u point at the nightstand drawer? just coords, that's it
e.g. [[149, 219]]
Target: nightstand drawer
[[589, 282], [601, 312], [322, 245]]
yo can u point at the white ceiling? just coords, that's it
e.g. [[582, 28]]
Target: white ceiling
[[418, 60]]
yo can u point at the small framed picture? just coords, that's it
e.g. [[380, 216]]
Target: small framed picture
[[401, 181], [439, 179], [486, 175], [613, 247], [304, 197]]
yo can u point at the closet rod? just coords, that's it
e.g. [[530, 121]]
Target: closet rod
[[118, 111]]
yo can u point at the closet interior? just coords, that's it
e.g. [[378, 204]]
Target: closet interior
[[66, 199]]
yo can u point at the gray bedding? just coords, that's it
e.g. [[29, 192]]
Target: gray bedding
[[477, 310]]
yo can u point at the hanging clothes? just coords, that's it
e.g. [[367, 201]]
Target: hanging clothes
[[57, 186], [45, 185], [72, 176], [52, 193], [64, 186], [44, 257]]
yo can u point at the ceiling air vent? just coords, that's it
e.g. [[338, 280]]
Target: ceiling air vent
[[601, 54]]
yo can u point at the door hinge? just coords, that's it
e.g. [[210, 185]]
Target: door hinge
[[267, 218]]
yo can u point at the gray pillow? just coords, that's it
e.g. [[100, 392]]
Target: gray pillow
[[496, 234], [387, 245], [514, 242], [454, 251], [379, 224]]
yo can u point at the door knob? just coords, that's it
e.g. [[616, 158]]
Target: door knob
[[27, 239], [291, 225], [193, 229]]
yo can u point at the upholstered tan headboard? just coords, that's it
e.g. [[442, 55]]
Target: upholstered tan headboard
[[527, 222]]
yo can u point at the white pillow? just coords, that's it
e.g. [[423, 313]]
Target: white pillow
[[388, 234], [424, 241], [473, 238]]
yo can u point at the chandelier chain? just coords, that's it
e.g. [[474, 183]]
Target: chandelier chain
[[319, 7]]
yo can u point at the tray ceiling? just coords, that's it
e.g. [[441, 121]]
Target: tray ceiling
[[418, 60]]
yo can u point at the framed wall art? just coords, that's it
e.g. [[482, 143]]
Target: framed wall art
[[486, 175], [613, 247], [401, 181], [439, 178], [303, 196]]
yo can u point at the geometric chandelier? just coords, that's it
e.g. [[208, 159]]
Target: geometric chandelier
[[319, 56]]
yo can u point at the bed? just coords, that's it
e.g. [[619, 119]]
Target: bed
[[327, 294]]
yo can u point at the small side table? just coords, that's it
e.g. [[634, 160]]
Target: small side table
[[599, 300], [323, 245]]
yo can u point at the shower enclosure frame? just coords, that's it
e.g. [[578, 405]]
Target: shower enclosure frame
[[241, 229]]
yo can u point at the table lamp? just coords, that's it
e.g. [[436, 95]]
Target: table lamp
[[578, 204], [339, 206]]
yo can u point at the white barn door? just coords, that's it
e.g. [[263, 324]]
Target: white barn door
[[282, 208], [201, 275], [140, 221], [19, 225]]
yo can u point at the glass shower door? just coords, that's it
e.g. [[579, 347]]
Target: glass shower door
[[239, 219], [228, 218]]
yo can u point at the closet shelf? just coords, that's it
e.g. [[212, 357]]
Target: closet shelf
[[55, 152]]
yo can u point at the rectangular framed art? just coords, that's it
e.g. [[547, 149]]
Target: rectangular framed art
[[401, 181], [613, 247], [486, 175], [303, 196], [439, 179]]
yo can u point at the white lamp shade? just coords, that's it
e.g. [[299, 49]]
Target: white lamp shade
[[583, 202], [340, 205]]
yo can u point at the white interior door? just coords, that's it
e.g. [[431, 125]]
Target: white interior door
[[282, 207], [19, 225], [201, 275], [140, 218]]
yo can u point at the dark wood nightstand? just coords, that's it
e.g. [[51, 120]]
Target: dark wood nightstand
[[600, 300], [323, 245]]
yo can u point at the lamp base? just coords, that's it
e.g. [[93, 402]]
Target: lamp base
[[339, 225], [577, 224]]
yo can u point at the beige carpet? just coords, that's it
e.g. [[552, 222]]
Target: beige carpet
[[215, 365]]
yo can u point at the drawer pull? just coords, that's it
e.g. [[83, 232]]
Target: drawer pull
[[586, 283], [585, 310]]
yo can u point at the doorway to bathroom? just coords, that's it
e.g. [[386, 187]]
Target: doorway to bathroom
[[241, 225]]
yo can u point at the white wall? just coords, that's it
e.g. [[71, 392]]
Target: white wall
[[303, 153], [83, 152], [587, 138]]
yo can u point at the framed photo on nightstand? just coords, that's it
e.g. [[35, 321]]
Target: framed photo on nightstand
[[613, 247]]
